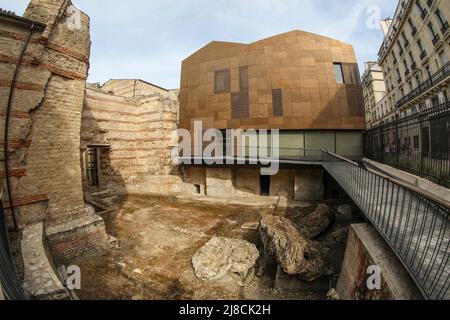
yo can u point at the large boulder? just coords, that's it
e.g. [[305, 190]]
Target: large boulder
[[221, 256], [317, 222], [295, 254], [349, 212]]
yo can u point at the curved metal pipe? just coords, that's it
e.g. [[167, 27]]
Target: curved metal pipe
[[6, 133]]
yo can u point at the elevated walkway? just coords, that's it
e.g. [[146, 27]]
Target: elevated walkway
[[414, 223]]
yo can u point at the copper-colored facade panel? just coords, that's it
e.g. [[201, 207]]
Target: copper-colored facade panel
[[299, 64]]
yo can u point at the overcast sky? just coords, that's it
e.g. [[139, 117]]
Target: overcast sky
[[148, 39]]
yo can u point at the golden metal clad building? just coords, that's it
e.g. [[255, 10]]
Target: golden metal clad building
[[297, 81]]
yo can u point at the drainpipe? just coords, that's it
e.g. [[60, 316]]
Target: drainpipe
[[6, 133]]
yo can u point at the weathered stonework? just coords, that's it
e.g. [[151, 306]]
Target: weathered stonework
[[41, 281], [309, 184], [241, 182], [45, 123], [366, 248], [83, 237], [46, 110], [139, 135]]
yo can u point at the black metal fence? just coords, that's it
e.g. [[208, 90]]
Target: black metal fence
[[416, 226], [9, 279], [419, 144]]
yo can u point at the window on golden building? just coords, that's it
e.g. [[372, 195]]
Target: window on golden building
[[277, 100], [243, 79], [222, 81], [338, 73]]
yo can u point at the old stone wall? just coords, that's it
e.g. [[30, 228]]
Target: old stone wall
[[46, 110], [84, 237], [305, 184], [366, 248], [45, 124], [133, 88], [139, 133]]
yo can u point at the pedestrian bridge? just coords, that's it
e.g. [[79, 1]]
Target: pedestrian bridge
[[415, 225]]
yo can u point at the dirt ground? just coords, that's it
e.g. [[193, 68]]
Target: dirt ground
[[158, 237]]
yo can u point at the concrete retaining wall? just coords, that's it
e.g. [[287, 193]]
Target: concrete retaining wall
[[365, 248]]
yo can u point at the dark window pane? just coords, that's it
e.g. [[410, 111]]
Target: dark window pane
[[240, 105], [222, 81], [350, 73], [277, 100], [355, 101]]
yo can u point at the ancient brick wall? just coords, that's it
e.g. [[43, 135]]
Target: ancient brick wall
[[46, 110], [133, 88], [139, 133]]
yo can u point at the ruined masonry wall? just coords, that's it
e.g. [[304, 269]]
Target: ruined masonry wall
[[47, 105], [139, 132]]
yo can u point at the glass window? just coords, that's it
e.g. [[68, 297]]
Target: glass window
[[222, 81], [338, 73]]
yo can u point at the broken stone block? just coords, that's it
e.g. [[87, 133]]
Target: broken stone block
[[293, 283], [294, 253], [113, 242], [221, 256], [341, 235], [333, 295], [349, 212], [315, 223], [345, 211]]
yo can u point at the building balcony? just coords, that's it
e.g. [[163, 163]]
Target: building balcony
[[444, 27], [423, 87], [424, 14], [436, 39], [423, 55]]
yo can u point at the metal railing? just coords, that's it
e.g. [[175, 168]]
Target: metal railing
[[247, 153], [419, 144], [10, 282], [415, 225]]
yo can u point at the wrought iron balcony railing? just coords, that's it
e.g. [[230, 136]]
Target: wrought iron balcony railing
[[436, 39], [445, 27], [434, 80], [423, 55]]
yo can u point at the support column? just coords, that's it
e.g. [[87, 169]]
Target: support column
[[309, 184]]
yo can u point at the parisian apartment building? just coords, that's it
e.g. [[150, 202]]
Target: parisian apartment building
[[414, 59], [374, 91]]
